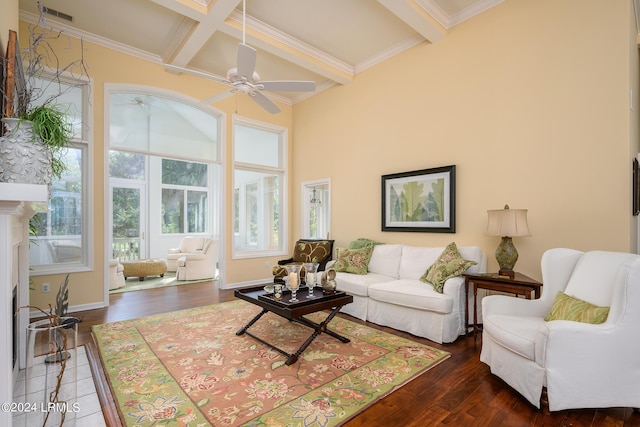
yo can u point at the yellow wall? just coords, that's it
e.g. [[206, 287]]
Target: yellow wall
[[8, 21], [529, 100]]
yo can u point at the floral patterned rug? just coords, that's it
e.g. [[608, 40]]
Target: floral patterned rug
[[188, 368]]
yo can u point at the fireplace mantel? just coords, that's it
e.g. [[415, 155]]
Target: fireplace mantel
[[17, 205]]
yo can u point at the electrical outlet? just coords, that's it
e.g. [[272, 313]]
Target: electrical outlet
[[45, 288], [266, 265]]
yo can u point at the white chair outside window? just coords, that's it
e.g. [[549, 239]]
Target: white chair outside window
[[188, 245], [200, 264]]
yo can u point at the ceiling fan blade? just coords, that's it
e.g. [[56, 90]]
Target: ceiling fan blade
[[176, 69], [264, 102], [246, 60], [289, 86], [219, 96]]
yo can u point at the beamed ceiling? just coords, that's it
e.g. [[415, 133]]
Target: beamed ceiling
[[325, 41]]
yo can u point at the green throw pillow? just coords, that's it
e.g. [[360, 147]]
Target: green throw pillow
[[362, 242], [449, 264], [566, 307], [353, 261]]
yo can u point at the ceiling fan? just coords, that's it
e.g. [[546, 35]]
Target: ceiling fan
[[245, 80]]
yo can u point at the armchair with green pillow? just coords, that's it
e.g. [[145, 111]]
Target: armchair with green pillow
[[306, 250], [577, 345]]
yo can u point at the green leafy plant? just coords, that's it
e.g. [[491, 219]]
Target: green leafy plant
[[52, 125]]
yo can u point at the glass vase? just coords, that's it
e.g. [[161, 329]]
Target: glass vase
[[310, 269], [51, 372], [293, 274]]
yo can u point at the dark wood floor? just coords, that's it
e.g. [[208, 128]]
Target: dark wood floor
[[459, 392]]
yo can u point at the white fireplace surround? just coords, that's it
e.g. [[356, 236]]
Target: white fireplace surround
[[17, 205]]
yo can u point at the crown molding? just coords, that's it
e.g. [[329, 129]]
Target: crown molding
[[449, 21], [386, 54], [32, 18]]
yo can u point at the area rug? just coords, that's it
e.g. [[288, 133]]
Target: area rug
[[188, 368], [169, 279]]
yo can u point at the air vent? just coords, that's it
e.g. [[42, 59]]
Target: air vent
[[60, 15]]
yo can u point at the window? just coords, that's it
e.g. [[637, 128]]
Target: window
[[184, 197], [165, 170], [258, 189], [316, 209], [62, 231]]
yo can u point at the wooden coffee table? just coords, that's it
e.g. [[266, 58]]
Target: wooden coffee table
[[295, 311]]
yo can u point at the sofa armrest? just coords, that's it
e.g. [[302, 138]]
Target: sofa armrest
[[173, 251], [285, 261]]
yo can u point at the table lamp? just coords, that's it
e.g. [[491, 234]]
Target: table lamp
[[507, 223]]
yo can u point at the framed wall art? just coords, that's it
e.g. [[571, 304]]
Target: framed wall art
[[422, 200]]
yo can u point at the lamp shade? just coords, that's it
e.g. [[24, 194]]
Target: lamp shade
[[507, 222]]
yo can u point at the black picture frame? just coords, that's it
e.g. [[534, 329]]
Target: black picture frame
[[636, 188], [420, 201]]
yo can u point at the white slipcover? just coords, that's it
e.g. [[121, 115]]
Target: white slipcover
[[116, 274], [581, 365], [391, 293], [188, 245], [200, 264]]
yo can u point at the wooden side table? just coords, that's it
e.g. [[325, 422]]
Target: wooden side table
[[518, 285]]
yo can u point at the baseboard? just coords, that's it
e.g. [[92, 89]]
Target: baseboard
[[72, 309], [246, 284]]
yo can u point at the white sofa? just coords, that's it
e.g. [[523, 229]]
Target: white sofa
[[391, 293]]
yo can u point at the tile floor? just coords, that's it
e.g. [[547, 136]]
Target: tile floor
[[87, 412]]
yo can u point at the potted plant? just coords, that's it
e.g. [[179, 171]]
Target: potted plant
[[38, 129]]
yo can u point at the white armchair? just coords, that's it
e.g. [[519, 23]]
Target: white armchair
[[188, 245], [116, 274], [199, 265], [581, 365]]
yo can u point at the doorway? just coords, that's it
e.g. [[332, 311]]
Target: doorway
[[128, 220]]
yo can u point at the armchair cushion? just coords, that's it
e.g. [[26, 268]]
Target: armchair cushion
[[566, 307], [306, 250], [449, 264], [353, 260], [312, 251]]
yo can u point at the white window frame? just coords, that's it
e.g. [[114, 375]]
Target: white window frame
[[85, 144], [282, 171], [306, 191]]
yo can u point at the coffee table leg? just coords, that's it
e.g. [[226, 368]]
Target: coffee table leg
[[254, 320], [318, 328]]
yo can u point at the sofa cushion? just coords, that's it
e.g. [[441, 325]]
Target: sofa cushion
[[473, 253], [411, 293], [385, 260], [362, 242], [566, 307], [415, 261], [358, 284], [352, 260], [449, 264]]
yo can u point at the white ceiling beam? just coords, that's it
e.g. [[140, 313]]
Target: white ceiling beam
[[269, 39], [202, 31], [416, 17]]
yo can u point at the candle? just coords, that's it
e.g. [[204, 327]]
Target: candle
[[293, 280]]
